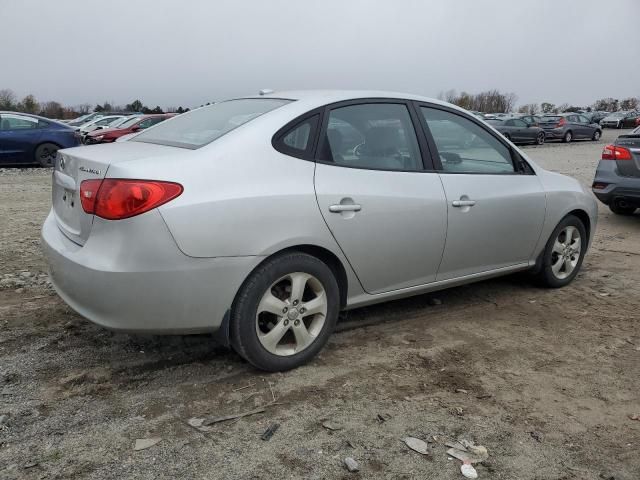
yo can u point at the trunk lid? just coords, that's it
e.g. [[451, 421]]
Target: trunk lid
[[74, 165], [629, 168]]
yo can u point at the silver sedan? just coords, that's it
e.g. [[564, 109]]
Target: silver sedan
[[262, 218]]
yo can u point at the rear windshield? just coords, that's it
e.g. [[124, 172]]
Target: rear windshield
[[204, 125]]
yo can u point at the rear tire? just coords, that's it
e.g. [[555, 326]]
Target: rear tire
[[271, 325], [620, 209], [564, 253], [568, 136], [45, 154], [596, 135]]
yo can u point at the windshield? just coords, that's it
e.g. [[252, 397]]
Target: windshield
[[550, 119], [118, 121], [129, 122], [617, 115], [494, 121], [202, 126]]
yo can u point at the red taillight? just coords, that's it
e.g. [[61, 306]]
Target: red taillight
[[561, 122], [613, 152], [118, 198], [599, 185]]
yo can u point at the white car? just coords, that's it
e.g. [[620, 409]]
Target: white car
[[101, 122]]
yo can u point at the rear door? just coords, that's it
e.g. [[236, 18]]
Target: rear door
[[495, 202], [19, 135], [384, 208], [629, 168], [586, 127]]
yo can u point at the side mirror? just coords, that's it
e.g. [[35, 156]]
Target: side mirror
[[135, 128]]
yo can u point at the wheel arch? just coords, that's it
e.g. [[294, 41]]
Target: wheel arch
[[584, 218], [223, 334]]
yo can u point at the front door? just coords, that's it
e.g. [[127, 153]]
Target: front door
[[385, 211], [496, 206]]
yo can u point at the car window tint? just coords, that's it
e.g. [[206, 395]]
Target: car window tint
[[376, 135], [510, 123], [18, 122], [583, 119], [464, 146], [519, 123], [298, 138]]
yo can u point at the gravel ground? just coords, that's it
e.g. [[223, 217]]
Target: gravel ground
[[546, 380]]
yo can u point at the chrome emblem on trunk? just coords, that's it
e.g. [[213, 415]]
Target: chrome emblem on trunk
[[89, 170]]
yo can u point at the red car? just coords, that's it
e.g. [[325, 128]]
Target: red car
[[133, 125]]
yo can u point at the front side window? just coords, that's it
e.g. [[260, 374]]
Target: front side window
[[583, 119], [377, 136], [464, 146], [199, 127], [519, 123]]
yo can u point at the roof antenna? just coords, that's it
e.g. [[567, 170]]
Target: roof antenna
[[265, 91]]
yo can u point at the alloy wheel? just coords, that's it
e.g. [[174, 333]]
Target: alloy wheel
[[566, 252], [291, 314]]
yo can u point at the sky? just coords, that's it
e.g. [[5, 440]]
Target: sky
[[189, 52]]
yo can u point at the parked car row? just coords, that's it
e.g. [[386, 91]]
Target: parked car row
[[521, 128], [30, 139]]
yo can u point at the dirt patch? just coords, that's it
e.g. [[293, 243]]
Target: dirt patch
[[545, 379]]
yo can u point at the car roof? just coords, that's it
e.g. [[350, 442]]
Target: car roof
[[324, 97], [50, 120]]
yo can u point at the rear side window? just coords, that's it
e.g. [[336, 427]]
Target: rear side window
[[464, 146], [202, 126], [298, 140]]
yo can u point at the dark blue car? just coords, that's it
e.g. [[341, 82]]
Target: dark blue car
[[29, 139]]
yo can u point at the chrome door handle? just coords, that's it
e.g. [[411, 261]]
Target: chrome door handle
[[463, 203], [345, 208]]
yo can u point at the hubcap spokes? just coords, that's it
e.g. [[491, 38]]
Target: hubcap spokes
[[291, 314], [566, 252]]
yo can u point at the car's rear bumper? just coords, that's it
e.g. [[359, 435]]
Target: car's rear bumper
[[615, 186], [143, 283]]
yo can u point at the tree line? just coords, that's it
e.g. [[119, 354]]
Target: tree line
[[490, 101], [494, 101], [29, 104]]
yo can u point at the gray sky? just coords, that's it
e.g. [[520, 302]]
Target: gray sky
[[187, 52]]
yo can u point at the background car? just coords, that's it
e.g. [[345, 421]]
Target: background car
[[29, 139], [596, 117], [620, 120], [617, 180], [569, 126], [255, 219], [517, 130], [99, 123], [530, 120], [131, 125]]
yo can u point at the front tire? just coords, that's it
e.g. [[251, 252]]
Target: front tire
[[564, 253], [285, 312], [540, 139], [45, 154], [568, 136]]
